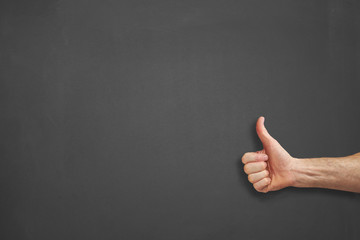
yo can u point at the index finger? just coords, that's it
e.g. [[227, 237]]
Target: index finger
[[254, 157]]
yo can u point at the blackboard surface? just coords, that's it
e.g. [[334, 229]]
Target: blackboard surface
[[128, 119]]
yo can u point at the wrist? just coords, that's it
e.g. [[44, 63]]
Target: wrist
[[300, 171]]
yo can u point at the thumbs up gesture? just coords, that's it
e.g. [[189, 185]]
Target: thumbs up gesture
[[269, 169]]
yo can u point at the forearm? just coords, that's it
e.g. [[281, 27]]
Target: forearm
[[341, 173]]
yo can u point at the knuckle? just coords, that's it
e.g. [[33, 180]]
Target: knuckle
[[260, 188], [251, 178], [256, 187], [245, 157], [246, 168]]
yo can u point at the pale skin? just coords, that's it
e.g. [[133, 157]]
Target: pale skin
[[273, 168]]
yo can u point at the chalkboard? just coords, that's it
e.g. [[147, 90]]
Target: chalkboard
[[128, 119]]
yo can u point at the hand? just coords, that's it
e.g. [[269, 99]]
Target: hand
[[271, 168]]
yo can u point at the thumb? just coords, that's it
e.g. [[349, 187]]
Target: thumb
[[262, 132]]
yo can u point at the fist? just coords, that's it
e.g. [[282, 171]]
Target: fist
[[256, 168], [269, 169]]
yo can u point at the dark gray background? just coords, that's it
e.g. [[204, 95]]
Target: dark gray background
[[128, 119]]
